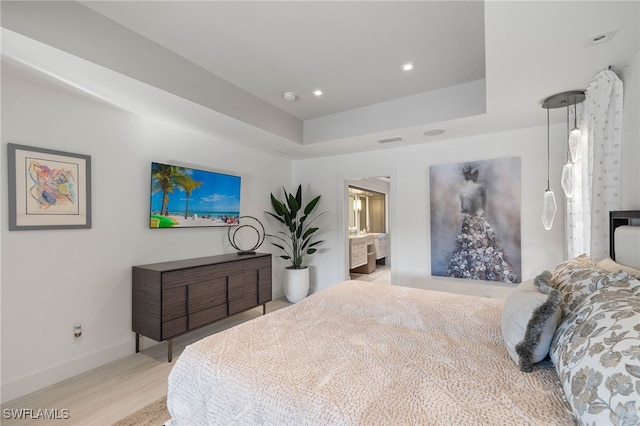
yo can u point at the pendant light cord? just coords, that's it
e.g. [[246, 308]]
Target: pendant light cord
[[568, 134]]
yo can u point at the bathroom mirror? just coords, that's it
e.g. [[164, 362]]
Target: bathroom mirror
[[366, 211]]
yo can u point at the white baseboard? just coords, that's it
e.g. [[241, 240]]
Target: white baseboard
[[50, 376]]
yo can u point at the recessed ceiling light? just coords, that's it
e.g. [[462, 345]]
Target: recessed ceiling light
[[408, 66], [434, 132], [317, 92]]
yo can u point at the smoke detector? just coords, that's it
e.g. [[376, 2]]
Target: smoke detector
[[289, 96]]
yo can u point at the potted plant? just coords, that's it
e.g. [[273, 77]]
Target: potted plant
[[296, 241]]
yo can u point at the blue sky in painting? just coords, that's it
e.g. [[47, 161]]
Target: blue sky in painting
[[219, 193]]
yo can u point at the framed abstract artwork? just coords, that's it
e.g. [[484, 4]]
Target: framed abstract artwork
[[475, 220], [48, 189]]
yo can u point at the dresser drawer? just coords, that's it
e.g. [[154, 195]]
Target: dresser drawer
[[207, 294], [263, 262], [205, 317], [174, 327], [264, 285], [236, 286], [247, 301], [174, 303], [200, 273]]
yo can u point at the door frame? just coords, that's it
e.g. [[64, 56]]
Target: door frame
[[343, 218]]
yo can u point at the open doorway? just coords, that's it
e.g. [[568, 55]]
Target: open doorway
[[368, 240]]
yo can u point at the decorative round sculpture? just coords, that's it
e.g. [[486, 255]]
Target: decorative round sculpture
[[254, 225]]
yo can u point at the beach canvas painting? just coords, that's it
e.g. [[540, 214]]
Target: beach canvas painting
[[186, 197], [475, 220]]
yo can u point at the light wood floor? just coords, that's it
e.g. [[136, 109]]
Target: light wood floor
[[381, 275], [106, 394], [111, 392]]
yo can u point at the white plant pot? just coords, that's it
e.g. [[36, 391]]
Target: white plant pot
[[296, 284]]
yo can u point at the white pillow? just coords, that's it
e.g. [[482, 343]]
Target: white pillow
[[627, 245], [530, 317], [611, 265]]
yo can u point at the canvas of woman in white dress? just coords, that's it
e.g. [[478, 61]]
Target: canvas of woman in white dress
[[475, 226]]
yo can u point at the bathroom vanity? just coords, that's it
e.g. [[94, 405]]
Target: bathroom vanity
[[366, 250]]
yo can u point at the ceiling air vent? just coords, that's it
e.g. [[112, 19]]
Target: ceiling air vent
[[600, 38], [392, 139]]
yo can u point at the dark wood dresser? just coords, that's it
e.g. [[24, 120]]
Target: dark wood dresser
[[172, 298]]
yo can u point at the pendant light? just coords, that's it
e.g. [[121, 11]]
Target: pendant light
[[549, 206], [575, 137], [564, 99], [567, 178]]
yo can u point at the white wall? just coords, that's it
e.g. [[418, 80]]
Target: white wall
[[54, 279], [409, 204], [409, 198], [630, 75]]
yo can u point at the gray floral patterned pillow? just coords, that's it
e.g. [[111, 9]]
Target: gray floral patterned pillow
[[582, 261], [577, 283], [596, 352]]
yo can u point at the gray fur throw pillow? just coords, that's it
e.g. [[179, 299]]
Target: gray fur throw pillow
[[530, 317]]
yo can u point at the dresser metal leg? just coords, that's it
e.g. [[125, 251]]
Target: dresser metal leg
[[137, 342], [170, 350]]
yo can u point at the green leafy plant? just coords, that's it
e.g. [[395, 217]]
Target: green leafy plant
[[296, 240]]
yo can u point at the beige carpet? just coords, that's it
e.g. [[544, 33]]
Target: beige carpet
[[154, 414]]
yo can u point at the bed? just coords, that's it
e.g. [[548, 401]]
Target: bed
[[366, 353]]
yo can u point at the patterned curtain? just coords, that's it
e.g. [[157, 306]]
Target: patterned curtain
[[578, 221], [598, 169]]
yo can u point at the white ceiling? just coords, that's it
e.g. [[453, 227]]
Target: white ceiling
[[351, 50], [519, 52]]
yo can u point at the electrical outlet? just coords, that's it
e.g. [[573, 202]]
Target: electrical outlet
[[77, 332]]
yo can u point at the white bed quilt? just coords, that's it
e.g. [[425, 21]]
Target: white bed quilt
[[364, 354]]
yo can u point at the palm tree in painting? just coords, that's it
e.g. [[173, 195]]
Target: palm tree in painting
[[166, 178], [188, 184]]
